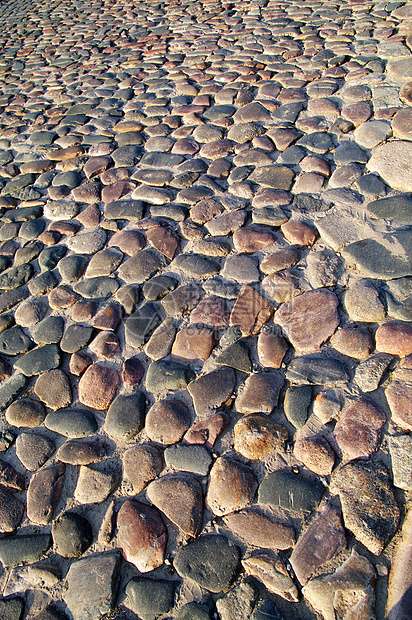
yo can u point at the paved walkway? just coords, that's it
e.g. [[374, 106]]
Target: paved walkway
[[206, 306]]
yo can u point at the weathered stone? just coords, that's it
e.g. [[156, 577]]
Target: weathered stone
[[394, 338], [238, 603], [11, 511], [354, 580], [205, 432], [369, 373], [44, 492], [54, 389], [251, 311], [180, 497], [316, 454], [368, 503], [140, 325], [167, 421], [194, 459], [258, 437], [167, 375], [94, 485], [92, 585], [33, 450], [273, 574], [222, 566], [317, 371], [25, 412], [260, 393], [98, 386], [72, 535], [141, 465], [142, 535], [398, 602], [150, 598], [256, 528], [354, 342], [309, 319], [77, 452], [27, 548], [211, 390], [193, 344], [124, 418], [290, 491], [141, 266], [232, 486], [399, 397], [39, 360]]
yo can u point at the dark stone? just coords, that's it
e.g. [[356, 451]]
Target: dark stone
[[317, 371], [50, 256], [14, 341], [97, 288], [75, 337], [38, 360], [125, 417], [16, 276], [167, 375], [28, 548], [158, 287], [71, 423], [148, 598], [72, 267], [348, 152], [290, 491], [131, 210], [141, 324], [49, 331], [12, 297], [11, 388], [11, 609], [397, 208], [221, 568], [72, 535], [192, 458]]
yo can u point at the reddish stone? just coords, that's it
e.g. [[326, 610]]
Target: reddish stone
[[142, 535], [64, 154], [185, 146], [164, 240], [132, 371], [98, 386], [358, 112], [358, 430], [321, 541], [251, 311], [279, 260], [212, 312], [89, 217], [232, 486], [394, 338], [252, 239], [206, 431], [128, 241], [62, 297], [109, 317], [106, 345], [180, 498], [49, 237], [115, 191], [260, 393], [95, 166], [193, 343], [309, 319], [167, 421], [355, 342], [316, 454], [65, 228], [217, 149], [113, 175], [271, 349], [257, 529], [399, 397], [83, 311], [44, 492], [299, 233], [205, 210]]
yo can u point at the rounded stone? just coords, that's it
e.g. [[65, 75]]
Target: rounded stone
[[258, 437], [392, 162], [25, 412], [141, 465], [72, 535], [33, 450], [98, 386], [30, 312], [54, 389], [167, 421]]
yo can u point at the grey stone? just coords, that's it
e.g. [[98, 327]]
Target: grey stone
[[150, 598], [266, 611], [11, 388], [141, 266], [397, 208], [141, 324], [296, 404], [49, 331], [193, 611], [71, 423], [401, 454], [318, 142], [125, 416], [38, 360], [235, 356], [11, 609], [14, 341], [12, 297], [167, 375], [88, 241], [42, 284], [290, 491], [223, 562], [211, 390], [383, 262], [16, 276], [348, 152], [238, 603], [33, 450], [158, 287], [196, 266], [49, 257], [131, 210], [192, 458], [369, 373], [75, 337], [72, 267], [97, 288], [92, 586], [317, 371], [27, 548]]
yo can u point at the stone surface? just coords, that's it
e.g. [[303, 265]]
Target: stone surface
[[251, 311], [98, 386], [94, 485], [142, 535], [72, 535], [232, 486], [260, 393], [222, 566], [273, 574], [309, 319], [44, 492], [33, 450], [141, 465], [359, 429], [258, 437], [256, 528], [167, 421], [290, 491], [368, 503], [211, 390]]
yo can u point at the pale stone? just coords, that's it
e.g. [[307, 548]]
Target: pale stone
[[392, 162], [273, 574]]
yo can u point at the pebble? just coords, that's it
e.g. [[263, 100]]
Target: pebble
[[232, 486], [72, 423], [124, 418], [141, 465], [43, 493], [25, 412], [33, 450], [211, 390], [53, 388], [77, 452], [98, 386], [150, 598], [72, 535], [290, 491], [94, 485], [370, 372], [260, 393], [223, 562]]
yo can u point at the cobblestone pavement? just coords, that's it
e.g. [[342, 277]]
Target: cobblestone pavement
[[206, 310]]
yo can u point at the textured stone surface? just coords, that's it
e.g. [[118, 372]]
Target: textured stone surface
[[232, 486]]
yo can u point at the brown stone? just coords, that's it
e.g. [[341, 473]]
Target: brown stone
[[281, 286], [117, 190], [25, 412], [320, 542], [128, 241], [62, 297], [316, 454], [257, 529], [232, 486], [54, 389], [271, 348], [299, 233], [79, 362], [273, 574], [354, 342], [132, 371], [358, 112], [180, 498], [205, 432], [258, 437], [80, 452], [399, 397], [33, 450], [309, 319], [205, 210], [326, 405], [44, 492], [182, 300], [193, 344], [142, 535], [95, 166], [279, 260], [160, 342], [394, 338], [98, 386], [260, 393], [87, 193], [252, 238], [164, 240], [251, 311], [64, 154], [109, 317], [106, 345], [167, 421], [11, 511], [90, 216], [347, 592], [141, 465], [94, 486], [211, 311], [10, 478], [359, 430], [84, 310]]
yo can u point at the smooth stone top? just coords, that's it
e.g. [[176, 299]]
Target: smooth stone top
[[317, 371], [385, 261], [290, 491]]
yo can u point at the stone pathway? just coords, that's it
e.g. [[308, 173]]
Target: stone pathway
[[206, 310]]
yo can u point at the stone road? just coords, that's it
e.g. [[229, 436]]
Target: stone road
[[206, 310]]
